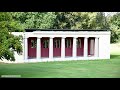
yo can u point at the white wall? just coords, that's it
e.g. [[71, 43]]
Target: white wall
[[104, 47], [65, 34]]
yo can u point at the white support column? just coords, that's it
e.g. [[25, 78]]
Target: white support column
[[38, 48], [63, 48], [51, 48], [96, 46], [74, 47], [26, 48], [85, 46]]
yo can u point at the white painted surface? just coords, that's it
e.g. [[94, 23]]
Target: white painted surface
[[103, 45], [63, 47], [96, 46], [26, 48], [66, 34], [74, 47], [51, 48], [86, 47], [38, 48]]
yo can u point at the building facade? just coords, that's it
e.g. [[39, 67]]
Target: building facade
[[41, 45]]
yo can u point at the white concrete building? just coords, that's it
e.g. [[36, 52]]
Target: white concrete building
[[41, 45]]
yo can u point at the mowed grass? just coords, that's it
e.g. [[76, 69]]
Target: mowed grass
[[68, 69]]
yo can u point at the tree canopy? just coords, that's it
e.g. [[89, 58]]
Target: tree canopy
[[80, 20], [8, 42], [35, 19], [114, 25]]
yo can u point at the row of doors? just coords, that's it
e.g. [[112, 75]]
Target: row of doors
[[32, 46]]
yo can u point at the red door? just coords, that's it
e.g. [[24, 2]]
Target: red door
[[32, 42], [80, 46], [68, 46], [44, 47], [57, 47]]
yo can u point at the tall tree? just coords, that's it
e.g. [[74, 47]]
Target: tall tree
[[80, 20], [40, 20], [114, 22], [8, 42]]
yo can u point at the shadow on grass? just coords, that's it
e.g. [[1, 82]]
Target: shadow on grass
[[114, 56]]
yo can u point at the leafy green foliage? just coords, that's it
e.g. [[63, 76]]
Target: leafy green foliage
[[114, 22], [35, 19], [61, 20], [80, 20], [8, 42]]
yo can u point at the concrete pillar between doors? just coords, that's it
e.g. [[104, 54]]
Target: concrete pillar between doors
[[51, 48], [74, 47], [38, 48], [85, 46], [63, 47], [26, 48], [96, 46]]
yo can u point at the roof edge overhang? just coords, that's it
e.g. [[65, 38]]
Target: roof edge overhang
[[98, 30]]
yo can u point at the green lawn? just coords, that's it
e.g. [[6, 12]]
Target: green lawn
[[68, 69]]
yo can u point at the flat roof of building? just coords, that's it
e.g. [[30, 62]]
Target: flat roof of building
[[31, 30]]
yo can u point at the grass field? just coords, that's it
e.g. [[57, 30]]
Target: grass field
[[68, 69]]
